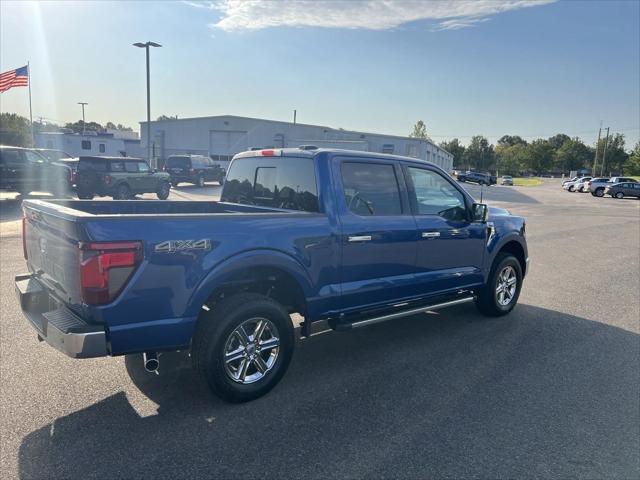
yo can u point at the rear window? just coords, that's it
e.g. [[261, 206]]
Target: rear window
[[89, 164], [178, 162], [280, 182]]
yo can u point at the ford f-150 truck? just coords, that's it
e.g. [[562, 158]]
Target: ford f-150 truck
[[346, 238]]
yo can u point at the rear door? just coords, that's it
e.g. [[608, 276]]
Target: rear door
[[378, 232], [178, 167], [450, 247]]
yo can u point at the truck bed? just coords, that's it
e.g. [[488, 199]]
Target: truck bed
[[102, 208]]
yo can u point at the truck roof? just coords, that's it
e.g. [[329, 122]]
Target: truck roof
[[307, 151]]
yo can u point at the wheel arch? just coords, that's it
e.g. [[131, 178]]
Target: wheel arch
[[271, 273], [515, 248]]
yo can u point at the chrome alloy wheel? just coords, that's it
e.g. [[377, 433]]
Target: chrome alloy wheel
[[506, 285], [251, 350]]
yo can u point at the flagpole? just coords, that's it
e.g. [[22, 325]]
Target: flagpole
[[33, 136]]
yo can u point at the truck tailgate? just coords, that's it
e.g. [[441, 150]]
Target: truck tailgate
[[51, 247]]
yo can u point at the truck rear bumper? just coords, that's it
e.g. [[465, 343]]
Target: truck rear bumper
[[56, 324]]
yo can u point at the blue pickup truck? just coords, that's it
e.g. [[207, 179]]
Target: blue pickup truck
[[340, 237]]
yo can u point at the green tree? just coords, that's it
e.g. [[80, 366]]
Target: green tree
[[77, 127], [510, 159], [558, 140], [455, 148], [615, 157], [632, 165], [14, 130], [539, 156], [419, 130], [479, 153], [510, 140], [572, 155]]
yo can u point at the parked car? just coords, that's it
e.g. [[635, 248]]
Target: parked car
[[26, 170], [570, 180], [625, 189], [573, 186], [598, 189], [598, 185], [583, 185], [475, 177], [507, 180], [119, 177], [346, 238], [196, 169]]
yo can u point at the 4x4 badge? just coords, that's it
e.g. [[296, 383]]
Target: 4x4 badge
[[173, 246]]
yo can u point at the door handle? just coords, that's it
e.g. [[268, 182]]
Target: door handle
[[430, 234], [360, 238]]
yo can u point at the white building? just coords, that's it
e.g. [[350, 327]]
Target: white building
[[221, 137], [110, 144]]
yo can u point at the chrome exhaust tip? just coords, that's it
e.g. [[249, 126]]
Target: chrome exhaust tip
[[151, 361]]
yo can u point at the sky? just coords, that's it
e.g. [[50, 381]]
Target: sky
[[518, 67]]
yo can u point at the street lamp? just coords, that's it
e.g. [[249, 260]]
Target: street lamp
[[146, 46], [83, 122]]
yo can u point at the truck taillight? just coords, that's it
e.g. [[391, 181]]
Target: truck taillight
[[105, 268], [24, 237]]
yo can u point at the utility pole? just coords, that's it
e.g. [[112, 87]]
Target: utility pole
[[83, 123], [604, 154], [295, 114], [595, 160]]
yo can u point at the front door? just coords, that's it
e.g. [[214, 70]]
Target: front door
[[378, 232], [450, 246]]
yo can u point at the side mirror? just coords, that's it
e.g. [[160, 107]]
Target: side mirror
[[479, 212]]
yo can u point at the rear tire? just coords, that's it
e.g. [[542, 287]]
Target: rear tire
[[501, 292], [599, 192], [163, 190], [85, 195], [572, 188], [237, 366], [123, 192]]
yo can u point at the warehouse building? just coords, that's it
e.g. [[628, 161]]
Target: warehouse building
[[221, 137]]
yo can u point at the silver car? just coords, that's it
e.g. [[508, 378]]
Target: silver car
[[507, 180], [573, 186]]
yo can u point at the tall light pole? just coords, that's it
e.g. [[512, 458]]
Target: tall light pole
[[83, 122], [146, 47]]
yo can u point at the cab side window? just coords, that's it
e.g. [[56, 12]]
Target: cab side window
[[432, 194], [371, 189], [143, 167]]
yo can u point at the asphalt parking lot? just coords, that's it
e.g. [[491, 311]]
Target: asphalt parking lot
[[550, 390]]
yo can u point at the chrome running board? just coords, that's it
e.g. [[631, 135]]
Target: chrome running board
[[404, 313]]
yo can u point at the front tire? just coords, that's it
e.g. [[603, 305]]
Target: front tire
[[200, 181], [243, 346], [500, 294], [619, 195], [600, 192], [572, 188]]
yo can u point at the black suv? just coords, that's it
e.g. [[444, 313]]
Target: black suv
[[475, 177], [26, 170], [119, 177], [195, 169]]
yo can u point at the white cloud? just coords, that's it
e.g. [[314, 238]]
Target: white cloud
[[357, 14]]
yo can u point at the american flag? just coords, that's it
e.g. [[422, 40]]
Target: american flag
[[14, 78]]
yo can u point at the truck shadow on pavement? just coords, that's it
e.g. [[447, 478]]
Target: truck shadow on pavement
[[536, 394]]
